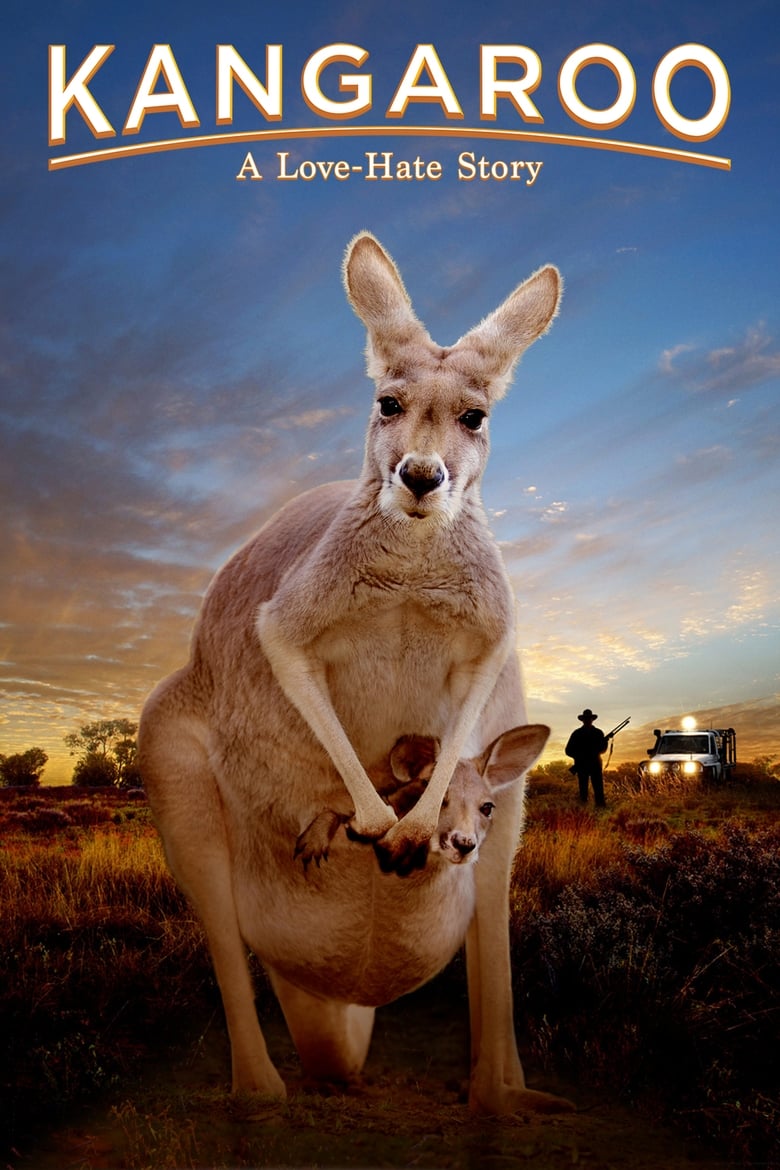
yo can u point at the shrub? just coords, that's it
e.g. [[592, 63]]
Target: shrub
[[23, 769], [95, 771], [98, 949], [664, 979], [41, 819]]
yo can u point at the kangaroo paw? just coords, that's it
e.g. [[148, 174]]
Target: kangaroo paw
[[402, 859], [314, 842], [405, 847]]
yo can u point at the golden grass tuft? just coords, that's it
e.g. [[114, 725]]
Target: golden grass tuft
[[560, 850]]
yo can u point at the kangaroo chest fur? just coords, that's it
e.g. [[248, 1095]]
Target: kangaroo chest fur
[[395, 627], [389, 673]]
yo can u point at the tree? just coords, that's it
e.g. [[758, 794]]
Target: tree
[[94, 770], [107, 751], [23, 769]]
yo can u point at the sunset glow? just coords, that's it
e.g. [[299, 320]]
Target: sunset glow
[[179, 358]]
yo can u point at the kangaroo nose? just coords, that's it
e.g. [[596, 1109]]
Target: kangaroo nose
[[464, 845], [421, 479]]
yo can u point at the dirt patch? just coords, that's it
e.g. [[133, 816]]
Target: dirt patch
[[409, 1110]]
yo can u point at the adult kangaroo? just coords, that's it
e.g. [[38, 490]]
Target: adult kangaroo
[[361, 612]]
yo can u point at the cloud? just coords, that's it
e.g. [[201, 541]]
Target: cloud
[[728, 370], [705, 464], [554, 512], [309, 419], [668, 358]]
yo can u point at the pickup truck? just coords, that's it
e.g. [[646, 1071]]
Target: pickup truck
[[699, 754]]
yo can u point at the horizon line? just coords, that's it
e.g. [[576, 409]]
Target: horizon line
[[163, 145]]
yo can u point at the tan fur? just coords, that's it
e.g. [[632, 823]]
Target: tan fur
[[360, 612]]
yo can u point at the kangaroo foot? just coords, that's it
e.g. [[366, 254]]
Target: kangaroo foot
[[508, 1100]]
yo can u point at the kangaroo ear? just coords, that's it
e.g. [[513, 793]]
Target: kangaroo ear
[[377, 294], [499, 340], [413, 757], [512, 753]]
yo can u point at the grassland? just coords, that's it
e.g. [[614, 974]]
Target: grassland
[[645, 949]]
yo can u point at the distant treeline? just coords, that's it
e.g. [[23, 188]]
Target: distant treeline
[[106, 756]]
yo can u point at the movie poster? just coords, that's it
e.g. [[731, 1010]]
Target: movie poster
[[181, 359]]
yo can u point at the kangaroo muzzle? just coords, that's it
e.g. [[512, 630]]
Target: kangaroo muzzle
[[422, 476]]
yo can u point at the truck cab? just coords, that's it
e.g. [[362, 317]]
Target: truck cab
[[699, 754]]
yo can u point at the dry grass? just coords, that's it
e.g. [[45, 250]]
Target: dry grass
[[97, 948], [643, 941], [561, 847]]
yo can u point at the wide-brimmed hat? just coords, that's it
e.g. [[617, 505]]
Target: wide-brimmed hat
[[587, 714]]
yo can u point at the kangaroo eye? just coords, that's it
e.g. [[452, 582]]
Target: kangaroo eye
[[472, 419], [487, 808], [388, 406]]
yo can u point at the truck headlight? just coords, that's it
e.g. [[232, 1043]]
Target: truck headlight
[[691, 767], [655, 768]]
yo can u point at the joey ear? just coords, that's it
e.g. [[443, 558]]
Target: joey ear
[[377, 294], [499, 340], [413, 757], [512, 753]]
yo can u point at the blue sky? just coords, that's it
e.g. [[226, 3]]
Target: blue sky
[[178, 356]]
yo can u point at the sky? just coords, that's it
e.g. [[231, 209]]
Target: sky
[[178, 357]]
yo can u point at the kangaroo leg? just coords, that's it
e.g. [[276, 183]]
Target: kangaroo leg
[[332, 1038], [497, 1081], [302, 678], [185, 801]]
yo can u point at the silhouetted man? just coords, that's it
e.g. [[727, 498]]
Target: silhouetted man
[[586, 746]]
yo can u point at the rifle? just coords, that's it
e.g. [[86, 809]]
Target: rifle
[[610, 736], [619, 727]]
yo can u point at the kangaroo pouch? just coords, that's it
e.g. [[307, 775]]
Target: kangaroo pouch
[[348, 931]]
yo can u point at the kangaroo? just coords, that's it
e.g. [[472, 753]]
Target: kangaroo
[[361, 611], [467, 808]]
